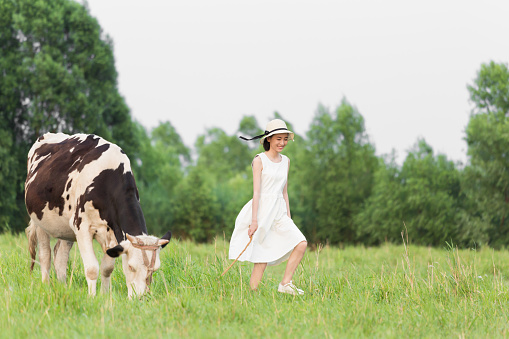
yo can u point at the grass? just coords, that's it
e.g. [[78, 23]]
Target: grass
[[388, 291]]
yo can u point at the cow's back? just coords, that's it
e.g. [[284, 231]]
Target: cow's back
[[60, 168]]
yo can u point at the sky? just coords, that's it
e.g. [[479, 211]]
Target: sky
[[404, 65]]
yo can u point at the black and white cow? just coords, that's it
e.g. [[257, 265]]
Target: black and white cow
[[79, 188]]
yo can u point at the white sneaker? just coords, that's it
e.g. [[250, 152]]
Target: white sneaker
[[290, 288]]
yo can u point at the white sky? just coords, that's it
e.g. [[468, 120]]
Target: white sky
[[404, 64]]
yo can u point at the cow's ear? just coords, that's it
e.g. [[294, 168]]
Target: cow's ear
[[131, 238], [115, 251], [167, 237]]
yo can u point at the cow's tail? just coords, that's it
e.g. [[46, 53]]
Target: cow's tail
[[31, 233]]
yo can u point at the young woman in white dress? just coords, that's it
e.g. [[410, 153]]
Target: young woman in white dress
[[267, 216]]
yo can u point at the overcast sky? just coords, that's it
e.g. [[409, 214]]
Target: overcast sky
[[405, 65]]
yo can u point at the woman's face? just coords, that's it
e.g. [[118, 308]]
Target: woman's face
[[278, 141]]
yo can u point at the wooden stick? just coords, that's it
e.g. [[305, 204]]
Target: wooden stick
[[245, 248]]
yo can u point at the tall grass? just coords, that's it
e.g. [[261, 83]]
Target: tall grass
[[387, 291]]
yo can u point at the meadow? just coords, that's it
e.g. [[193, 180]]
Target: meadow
[[388, 291]]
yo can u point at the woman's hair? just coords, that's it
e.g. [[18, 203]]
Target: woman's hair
[[266, 144]]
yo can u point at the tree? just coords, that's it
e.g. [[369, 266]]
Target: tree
[[58, 75], [487, 136], [160, 170], [339, 163], [249, 127], [425, 194], [490, 90], [382, 215], [226, 160], [222, 155], [196, 207]]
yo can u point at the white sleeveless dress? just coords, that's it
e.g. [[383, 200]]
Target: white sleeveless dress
[[277, 234]]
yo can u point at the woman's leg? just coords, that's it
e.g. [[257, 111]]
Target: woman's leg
[[257, 275], [294, 261]]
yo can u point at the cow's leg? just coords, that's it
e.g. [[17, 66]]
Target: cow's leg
[[43, 239], [90, 262], [62, 249], [107, 265]]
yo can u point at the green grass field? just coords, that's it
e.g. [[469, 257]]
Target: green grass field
[[351, 292]]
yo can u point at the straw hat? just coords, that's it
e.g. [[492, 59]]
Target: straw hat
[[275, 126]]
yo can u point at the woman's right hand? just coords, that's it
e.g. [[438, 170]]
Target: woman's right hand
[[252, 228]]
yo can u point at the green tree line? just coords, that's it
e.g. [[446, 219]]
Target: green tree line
[[58, 75]]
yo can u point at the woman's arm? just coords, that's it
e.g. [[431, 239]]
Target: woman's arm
[[257, 178], [285, 193]]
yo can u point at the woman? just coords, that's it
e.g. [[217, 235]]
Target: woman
[[267, 216]]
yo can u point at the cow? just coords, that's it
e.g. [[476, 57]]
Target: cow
[[79, 188]]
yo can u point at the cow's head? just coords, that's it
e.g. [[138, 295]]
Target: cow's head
[[140, 259]]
